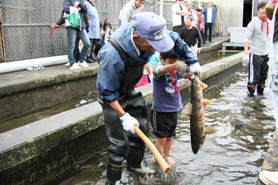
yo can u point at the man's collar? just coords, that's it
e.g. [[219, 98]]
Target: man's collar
[[131, 38]]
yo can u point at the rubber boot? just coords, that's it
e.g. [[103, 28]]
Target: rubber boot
[[251, 90], [134, 161], [260, 89], [114, 173]]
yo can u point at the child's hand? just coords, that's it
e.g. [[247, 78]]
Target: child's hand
[[182, 67]]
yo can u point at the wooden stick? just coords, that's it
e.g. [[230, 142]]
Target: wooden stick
[[163, 165]]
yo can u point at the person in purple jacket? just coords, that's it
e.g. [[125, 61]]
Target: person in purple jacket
[[167, 101]]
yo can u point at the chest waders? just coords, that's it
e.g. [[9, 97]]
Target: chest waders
[[124, 145]]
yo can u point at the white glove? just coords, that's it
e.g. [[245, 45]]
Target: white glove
[[195, 68], [182, 68], [128, 122], [245, 60], [198, 50]]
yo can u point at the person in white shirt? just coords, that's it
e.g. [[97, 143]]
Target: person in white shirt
[[129, 10], [256, 58], [178, 13]]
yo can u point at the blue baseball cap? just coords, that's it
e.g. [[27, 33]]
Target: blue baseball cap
[[152, 28]]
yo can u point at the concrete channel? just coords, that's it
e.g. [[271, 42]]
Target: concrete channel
[[49, 150], [25, 92]]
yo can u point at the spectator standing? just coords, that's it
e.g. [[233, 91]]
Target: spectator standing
[[201, 21], [74, 32], [121, 64], [209, 13], [106, 32], [191, 13], [98, 46], [178, 14], [59, 23], [190, 34], [257, 37], [129, 10], [94, 29]]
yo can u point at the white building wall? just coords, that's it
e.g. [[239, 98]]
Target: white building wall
[[230, 14]]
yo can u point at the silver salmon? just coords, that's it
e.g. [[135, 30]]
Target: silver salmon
[[196, 111]]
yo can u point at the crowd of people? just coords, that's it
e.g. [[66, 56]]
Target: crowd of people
[[202, 19], [83, 23], [142, 43]]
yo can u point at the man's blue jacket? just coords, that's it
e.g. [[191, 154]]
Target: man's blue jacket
[[206, 14], [111, 67]]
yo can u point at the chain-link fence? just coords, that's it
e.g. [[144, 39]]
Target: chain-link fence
[[28, 23], [26, 28]]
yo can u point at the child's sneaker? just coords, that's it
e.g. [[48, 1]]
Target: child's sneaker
[[83, 64], [75, 66]]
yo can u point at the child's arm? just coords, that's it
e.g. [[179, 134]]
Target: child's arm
[[167, 68], [159, 69]]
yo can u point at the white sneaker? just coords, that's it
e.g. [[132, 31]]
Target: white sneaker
[[75, 66], [83, 64], [268, 177], [67, 64]]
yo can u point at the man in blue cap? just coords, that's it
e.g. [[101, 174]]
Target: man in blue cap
[[121, 64]]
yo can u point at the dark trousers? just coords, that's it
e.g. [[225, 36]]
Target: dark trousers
[[208, 28], [203, 35], [76, 49], [257, 73], [93, 46]]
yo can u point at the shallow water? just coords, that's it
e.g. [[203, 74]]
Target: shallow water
[[32, 117], [232, 155]]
